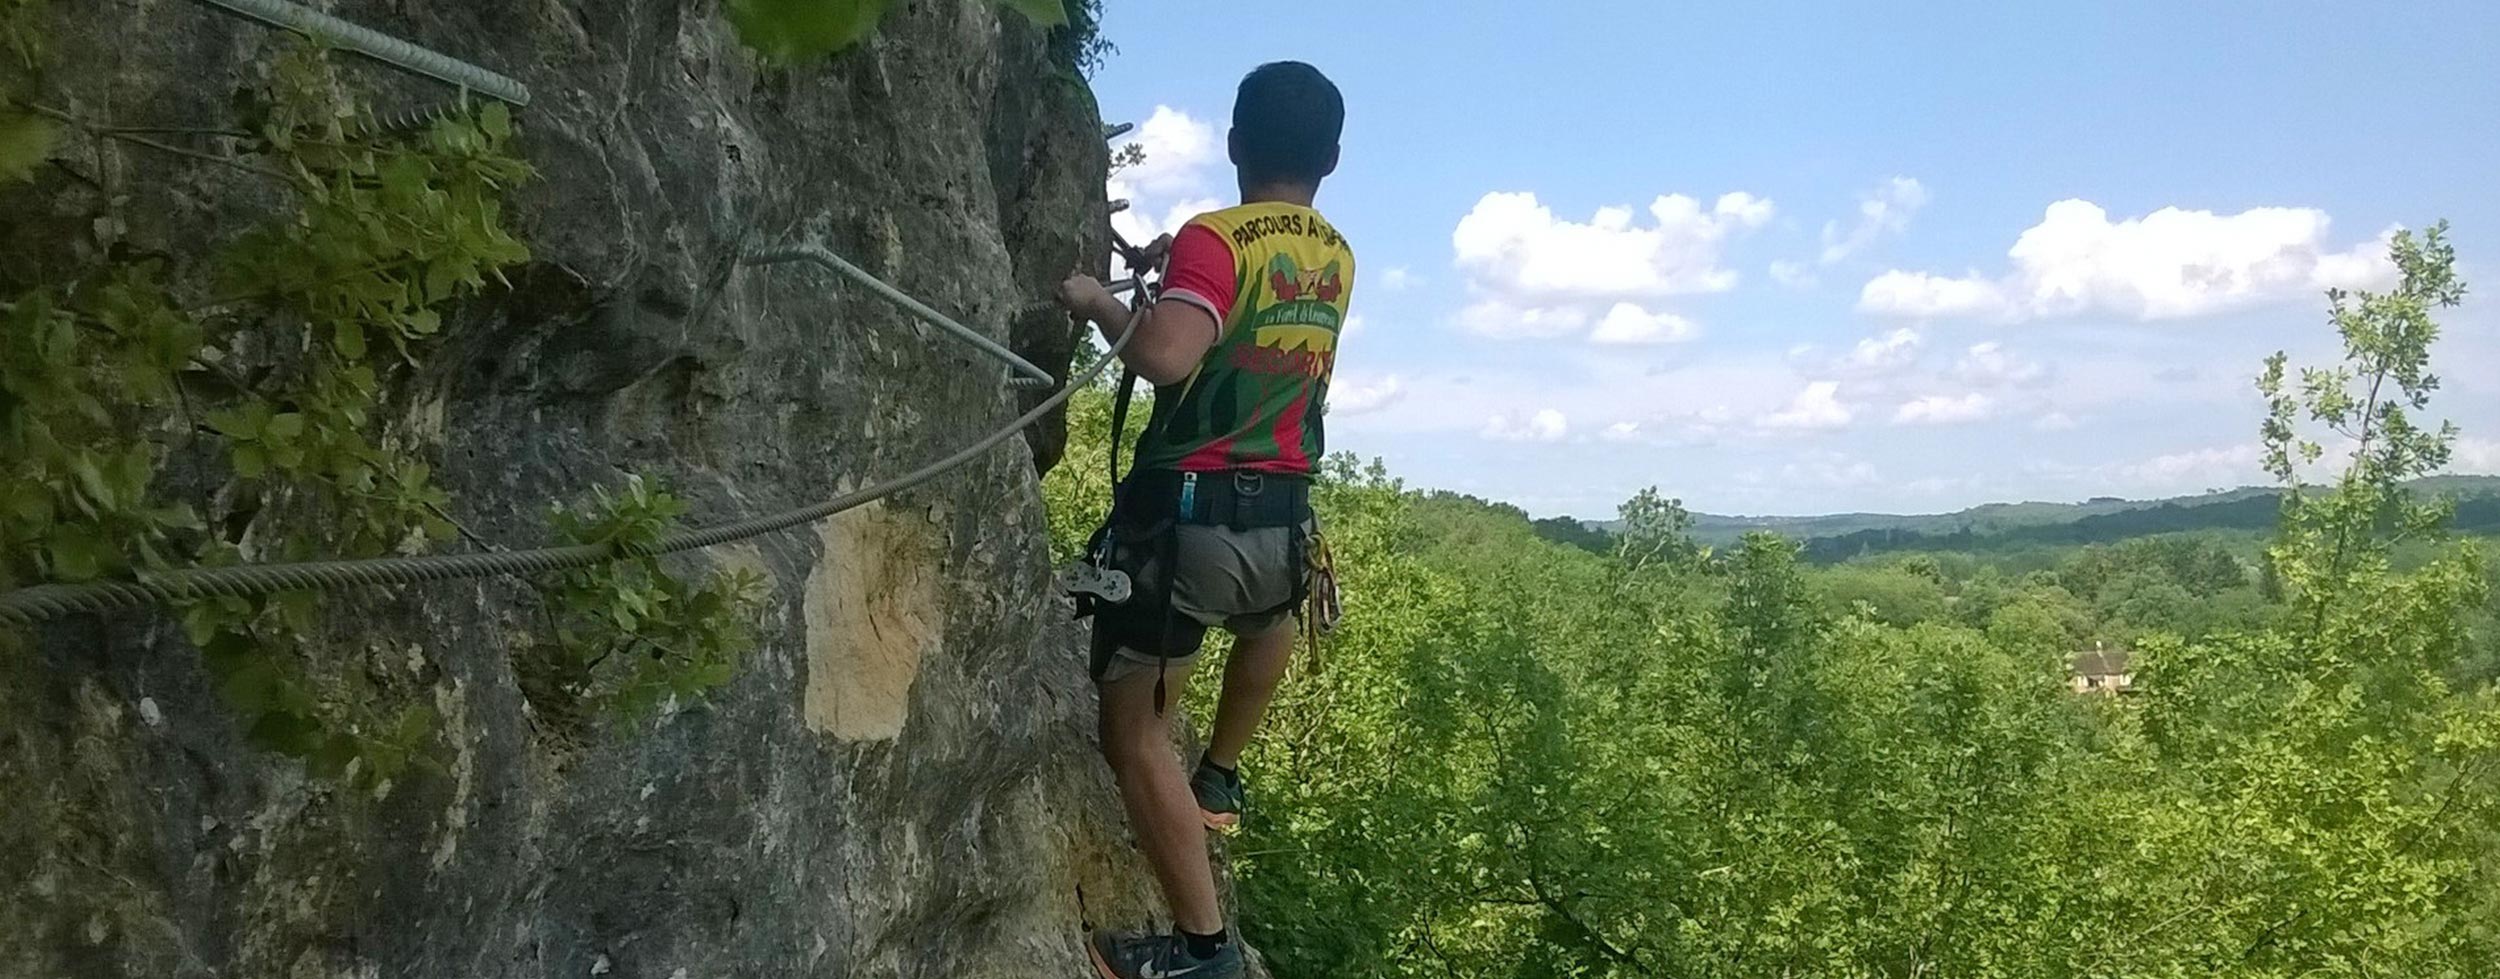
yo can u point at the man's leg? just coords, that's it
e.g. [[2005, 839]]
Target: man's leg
[[1251, 675], [1161, 809]]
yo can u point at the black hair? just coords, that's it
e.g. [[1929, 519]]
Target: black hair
[[1286, 120]]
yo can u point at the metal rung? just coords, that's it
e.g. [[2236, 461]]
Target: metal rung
[[379, 46], [817, 255], [1115, 286]]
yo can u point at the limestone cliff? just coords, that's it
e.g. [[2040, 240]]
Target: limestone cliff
[[899, 782]]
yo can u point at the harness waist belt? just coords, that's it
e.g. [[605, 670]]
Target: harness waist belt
[[1239, 500]]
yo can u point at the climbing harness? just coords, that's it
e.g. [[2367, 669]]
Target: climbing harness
[[1092, 580], [1153, 505], [1325, 605]]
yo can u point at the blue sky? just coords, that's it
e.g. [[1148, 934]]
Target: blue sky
[[1810, 258]]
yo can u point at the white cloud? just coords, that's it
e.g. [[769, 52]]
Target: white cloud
[[1178, 149], [2475, 455], [1920, 294], [1825, 469], [1621, 432], [1354, 395], [1992, 365], [1170, 186], [2219, 467], [1816, 407], [1507, 322], [1396, 278], [1883, 354], [1885, 209], [2056, 421], [1829, 469], [2170, 264], [1938, 409], [2173, 473], [1354, 323], [1794, 275], [1691, 400], [1630, 324], [1547, 425], [1535, 275]]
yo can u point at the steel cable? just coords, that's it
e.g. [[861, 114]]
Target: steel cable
[[26, 606]]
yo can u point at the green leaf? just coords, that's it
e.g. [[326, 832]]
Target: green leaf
[[284, 427], [298, 610], [442, 279], [25, 141], [225, 651], [711, 675], [329, 755], [250, 461], [495, 120], [349, 337], [404, 179], [791, 31], [26, 502], [288, 733], [90, 478], [77, 553], [251, 687], [1045, 13]]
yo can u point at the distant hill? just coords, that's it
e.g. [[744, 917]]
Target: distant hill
[[1840, 536]]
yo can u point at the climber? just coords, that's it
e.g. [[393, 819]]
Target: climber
[[1214, 519]]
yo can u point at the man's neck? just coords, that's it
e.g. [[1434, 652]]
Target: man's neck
[[1279, 193]]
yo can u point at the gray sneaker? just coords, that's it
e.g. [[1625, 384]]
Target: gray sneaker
[[1220, 796], [1160, 957]]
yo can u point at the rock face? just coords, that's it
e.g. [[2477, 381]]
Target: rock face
[[899, 782]]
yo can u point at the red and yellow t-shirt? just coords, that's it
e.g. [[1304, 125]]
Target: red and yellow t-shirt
[[1277, 279]]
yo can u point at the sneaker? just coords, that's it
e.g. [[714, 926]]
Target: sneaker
[[1220, 796], [1160, 957]]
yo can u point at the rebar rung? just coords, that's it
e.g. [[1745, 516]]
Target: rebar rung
[[379, 46], [818, 255]]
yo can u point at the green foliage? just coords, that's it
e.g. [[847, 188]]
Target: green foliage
[[2370, 401], [1654, 531], [1525, 759], [788, 32], [2012, 535], [124, 393], [1888, 595], [794, 31], [626, 636], [1046, 13], [1079, 44], [25, 140]]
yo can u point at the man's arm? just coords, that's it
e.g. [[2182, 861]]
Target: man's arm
[[1171, 338], [1174, 336]]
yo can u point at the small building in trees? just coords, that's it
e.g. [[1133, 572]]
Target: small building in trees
[[2102, 670]]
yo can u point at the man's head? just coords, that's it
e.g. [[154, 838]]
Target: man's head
[[1286, 120]]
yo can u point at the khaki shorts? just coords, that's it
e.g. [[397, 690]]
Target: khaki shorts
[[1244, 581]]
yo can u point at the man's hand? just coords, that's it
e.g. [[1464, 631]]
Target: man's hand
[[1149, 256], [1084, 297]]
